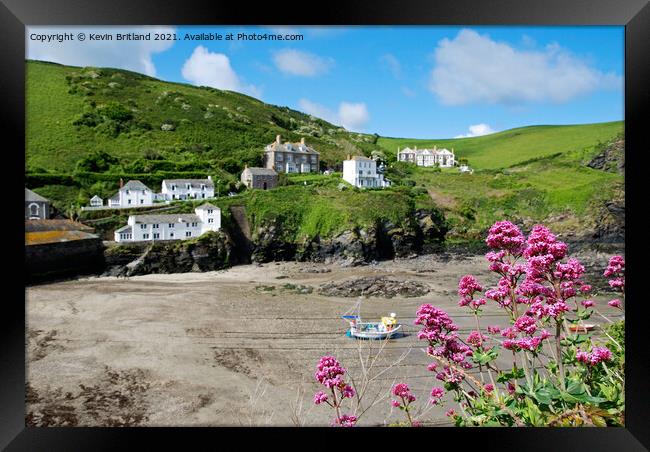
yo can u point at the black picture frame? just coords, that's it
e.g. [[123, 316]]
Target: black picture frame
[[16, 14]]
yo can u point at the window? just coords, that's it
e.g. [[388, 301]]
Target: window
[[156, 226], [209, 211], [210, 220], [143, 226], [171, 234], [171, 225], [33, 209], [194, 225], [173, 187], [187, 225], [127, 192], [156, 235], [188, 234], [142, 201], [203, 187], [202, 195], [129, 201], [188, 186], [145, 236]]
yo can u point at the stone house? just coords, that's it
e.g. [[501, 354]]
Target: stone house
[[177, 226], [291, 157], [260, 178], [36, 206]]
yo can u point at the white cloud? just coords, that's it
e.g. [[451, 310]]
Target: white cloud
[[304, 64], [131, 55], [477, 130], [352, 116], [392, 63], [205, 68], [474, 68]]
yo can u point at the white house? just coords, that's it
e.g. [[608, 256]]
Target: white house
[[96, 201], [132, 194], [173, 189], [444, 158], [362, 172], [170, 226], [465, 169]]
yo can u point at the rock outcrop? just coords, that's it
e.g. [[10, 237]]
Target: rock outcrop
[[375, 286]]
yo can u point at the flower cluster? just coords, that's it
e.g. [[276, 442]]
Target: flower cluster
[[346, 420], [436, 395], [616, 268], [329, 373], [439, 330], [402, 391], [597, 355], [504, 235], [467, 286]]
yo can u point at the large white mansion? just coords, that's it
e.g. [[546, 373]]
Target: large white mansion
[[177, 226], [444, 158], [362, 172]]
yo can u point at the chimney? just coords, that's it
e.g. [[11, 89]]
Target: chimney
[[245, 165], [349, 157], [209, 177], [302, 140], [416, 148], [277, 139], [121, 182]]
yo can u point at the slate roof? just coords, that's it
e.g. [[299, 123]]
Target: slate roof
[[31, 196], [55, 225], [361, 157], [167, 218], [195, 183], [297, 148], [135, 185], [261, 171], [125, 229], [207, 205]]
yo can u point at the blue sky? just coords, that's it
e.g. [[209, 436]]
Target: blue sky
[[402, 81]]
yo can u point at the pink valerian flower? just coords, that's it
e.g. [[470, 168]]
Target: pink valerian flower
[[549, 309], [494, 329], [616, 303], [526, 324], [489, 387], [501, 293], [346, 420], [416, 424], [542, 242], [320, 397], [467, 286], [585, 288], [401, 390], [504, 235], [571, 270], [440, 331], [329, 373], [348, 392], [616, 266], [511, 388], [396, 403], [436, 395], [450, 412], [450, 375], [597, 355], [476, 339], [432, 367], [617, 283], [587, 303]]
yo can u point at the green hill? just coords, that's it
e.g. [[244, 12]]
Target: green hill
[[511, 147], [74, 111]]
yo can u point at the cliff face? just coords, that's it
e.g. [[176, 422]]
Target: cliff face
[[212, 251], [383, 240], [215, 251]]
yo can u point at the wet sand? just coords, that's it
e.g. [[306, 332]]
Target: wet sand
[[233, 347]]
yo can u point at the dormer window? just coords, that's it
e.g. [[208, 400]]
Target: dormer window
[[203, 187], [127, 191], [173, 187], [188, 186]]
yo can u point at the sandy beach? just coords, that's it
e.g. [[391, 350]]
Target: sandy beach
[[233, 347]]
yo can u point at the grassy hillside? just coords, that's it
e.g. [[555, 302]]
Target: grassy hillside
[[72, 112], [511, 147]]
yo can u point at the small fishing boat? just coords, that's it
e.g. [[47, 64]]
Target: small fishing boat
[[387, 328]]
